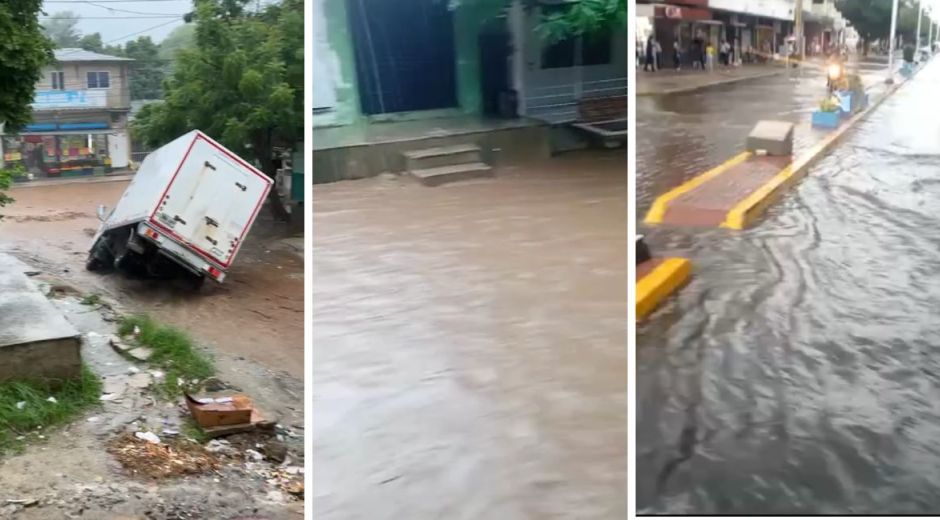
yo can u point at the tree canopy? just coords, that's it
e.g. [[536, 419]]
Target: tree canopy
[[241, 82], [872, 18], [62, 29], [25, 51], [580, 18]]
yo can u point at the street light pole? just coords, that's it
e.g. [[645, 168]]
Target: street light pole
[[920, 14], [798, 32], [894, 28]]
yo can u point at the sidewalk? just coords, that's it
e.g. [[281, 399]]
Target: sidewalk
[[668, 81]]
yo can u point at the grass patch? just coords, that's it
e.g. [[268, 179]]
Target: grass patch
[[191, 430], [173, 351], [25, 406], [91, 299]]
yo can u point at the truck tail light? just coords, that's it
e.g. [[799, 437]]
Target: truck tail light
[[151, 234], [214, 273]]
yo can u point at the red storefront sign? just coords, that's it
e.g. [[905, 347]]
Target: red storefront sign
[[676, 12]]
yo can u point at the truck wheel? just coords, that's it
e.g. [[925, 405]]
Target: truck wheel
[[196, 282], [96, 257]]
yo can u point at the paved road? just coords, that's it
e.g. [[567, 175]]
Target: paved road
[[797, 372]]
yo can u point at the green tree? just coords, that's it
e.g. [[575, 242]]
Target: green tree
[[872, 18], [241, 83], [147, 71], [62, 29], [182, 37], [580, 18], [25, 51]]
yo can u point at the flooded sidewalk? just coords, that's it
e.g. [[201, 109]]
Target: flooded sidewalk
[[469, 345]]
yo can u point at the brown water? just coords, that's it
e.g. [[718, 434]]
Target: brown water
[[470, 345], [257, 313]]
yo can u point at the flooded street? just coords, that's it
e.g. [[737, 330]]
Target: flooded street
[[469, 341], [680, 136], [51, 227], [797, 373]]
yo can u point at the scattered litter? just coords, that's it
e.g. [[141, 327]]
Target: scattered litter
[[148, 436], [133, 370], [220, 446], [254, 455], [109, 397], [93, 419], [157, 374], [168, 432], [136, 331], [52, 400], [20, 405], [25, 502], [173, 459]]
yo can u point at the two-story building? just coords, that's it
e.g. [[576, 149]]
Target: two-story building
[[80, 118]]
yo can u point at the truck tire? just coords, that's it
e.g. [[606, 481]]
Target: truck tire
[[97, 257]]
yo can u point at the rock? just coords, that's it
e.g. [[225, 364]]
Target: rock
[[119, 345], [148, 436], [139, 381], [275, 451], [140, 353], [214, 384]]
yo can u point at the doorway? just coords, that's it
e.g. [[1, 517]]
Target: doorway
[[405, 54]]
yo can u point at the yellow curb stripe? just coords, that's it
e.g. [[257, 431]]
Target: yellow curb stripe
[[658, 210], [659, 284], [743, 214]]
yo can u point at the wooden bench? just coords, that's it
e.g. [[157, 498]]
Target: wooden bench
[[597, 109]]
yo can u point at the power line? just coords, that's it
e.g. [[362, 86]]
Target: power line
[[106, 1], [115, 9], [127, 35], [156, 17]]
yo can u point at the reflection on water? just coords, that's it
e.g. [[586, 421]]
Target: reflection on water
[[469, 356], [797, 372]]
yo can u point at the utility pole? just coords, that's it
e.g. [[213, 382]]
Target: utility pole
[[798, 28], [894, 28], [920, 14]]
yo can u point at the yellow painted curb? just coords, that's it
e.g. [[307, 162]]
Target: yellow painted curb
[[745, 212], [659, 284], [658, 210]]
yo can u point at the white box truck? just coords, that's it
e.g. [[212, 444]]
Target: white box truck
[[189, 206]]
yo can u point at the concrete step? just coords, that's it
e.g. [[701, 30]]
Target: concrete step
[[36, 340], [441, 156], [444, 174]]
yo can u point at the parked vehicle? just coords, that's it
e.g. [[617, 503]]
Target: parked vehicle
[[188, 208]]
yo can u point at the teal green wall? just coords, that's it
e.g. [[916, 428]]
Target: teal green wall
[[347, 109], [467, 24]]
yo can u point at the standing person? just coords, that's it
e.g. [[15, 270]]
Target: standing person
[[650, 49], [710, 57], [725, 53], [676, 55], [658, 53]]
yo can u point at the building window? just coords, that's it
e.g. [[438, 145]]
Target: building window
[[595, 48], [99, 80], [58, 80]]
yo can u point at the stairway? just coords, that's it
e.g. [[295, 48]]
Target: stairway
[[436, 166]]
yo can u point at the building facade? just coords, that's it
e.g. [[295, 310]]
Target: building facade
[[756, 29], [376, 61], [80, 118]]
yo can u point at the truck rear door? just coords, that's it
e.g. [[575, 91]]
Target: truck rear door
[[212, 201]]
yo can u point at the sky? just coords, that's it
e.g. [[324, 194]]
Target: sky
[[116, 24]]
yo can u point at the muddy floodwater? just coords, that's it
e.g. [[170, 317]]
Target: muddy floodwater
[[470, 345], [257, 313], [799, 371]]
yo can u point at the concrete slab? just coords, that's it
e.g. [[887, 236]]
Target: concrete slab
[[36, 341], [773, 137]]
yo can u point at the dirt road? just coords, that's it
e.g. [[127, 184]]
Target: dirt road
[[257, 313]]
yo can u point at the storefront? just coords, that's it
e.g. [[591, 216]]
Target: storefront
[[64, 150]]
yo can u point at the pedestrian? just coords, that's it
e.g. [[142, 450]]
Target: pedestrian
[[650, 50], [676, 55], [725, 53], [658, 53], [710, 57]]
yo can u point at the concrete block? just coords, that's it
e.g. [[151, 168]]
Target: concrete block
[[36, 341], [774, 137]]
